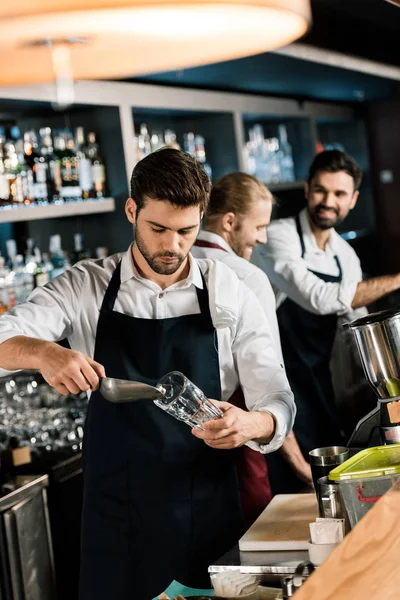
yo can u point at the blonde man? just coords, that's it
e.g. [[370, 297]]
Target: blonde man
[[236, 221]]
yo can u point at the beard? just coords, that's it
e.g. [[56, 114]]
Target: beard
[[238, 243], [324, 222], [153, 260]]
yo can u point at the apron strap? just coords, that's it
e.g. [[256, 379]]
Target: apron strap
[[112, 291], [202, 297], [303, 249], [300, 234]]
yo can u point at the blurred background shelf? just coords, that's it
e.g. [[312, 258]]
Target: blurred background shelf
[[32, 212], [286, 185]]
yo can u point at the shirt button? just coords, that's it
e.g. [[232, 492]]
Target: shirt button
[[161, 296]]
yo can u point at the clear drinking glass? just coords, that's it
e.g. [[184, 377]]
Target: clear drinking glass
[[184, 401]]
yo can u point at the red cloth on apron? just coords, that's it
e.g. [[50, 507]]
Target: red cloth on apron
[[254, 486]]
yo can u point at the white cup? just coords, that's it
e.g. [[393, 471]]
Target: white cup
[[318, 553]]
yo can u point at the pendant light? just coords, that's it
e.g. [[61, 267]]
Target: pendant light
[[45, 40]]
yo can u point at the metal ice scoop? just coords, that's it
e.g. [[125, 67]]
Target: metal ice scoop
[[122, 390]]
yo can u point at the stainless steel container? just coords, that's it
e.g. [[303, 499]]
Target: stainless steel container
[[378, 340]]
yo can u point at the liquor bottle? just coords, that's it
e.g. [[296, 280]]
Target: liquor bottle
[[46, 267], [3, 286], [57, 256], [84, 164], [53, 164], [157, 141], [200, 153], [39, 167], [144, 142], [23, 280], [101, 252], [98, 169], [33, 264], [64, 150], [285, 155], [170, 139], [24, 174], [12, 168], [4, 182], [189, 144], [79, 253]]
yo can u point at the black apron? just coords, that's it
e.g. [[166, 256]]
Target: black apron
[[307, 342], [159, 504]]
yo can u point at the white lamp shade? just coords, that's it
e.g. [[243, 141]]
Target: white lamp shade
[[130, 37]]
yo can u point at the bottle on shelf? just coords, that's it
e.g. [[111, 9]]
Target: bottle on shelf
[[40, 171], [80, 252], [54, 182], [64, 150], [46, 267], [101, 252], [23, 280], [200, 153], [4, 181], [286, 163], [170, 139], [269, 159], [14, 168], [98, 169], [188, 143], [4, 272], [84, 164], [33, 264], [57, 256]]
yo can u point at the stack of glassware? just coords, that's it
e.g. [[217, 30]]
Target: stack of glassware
[[146, 142], [269, 159], [34, 414]]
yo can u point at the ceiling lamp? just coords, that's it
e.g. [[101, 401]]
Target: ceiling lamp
[[41, 40]]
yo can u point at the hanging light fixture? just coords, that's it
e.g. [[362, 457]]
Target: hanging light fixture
[[44, 40]]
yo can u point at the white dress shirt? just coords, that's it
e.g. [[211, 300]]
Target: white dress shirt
[[289, 273], [68, 307], [251, 276]]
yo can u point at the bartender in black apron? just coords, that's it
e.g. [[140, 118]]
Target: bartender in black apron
[[307, 341], [157, 500]]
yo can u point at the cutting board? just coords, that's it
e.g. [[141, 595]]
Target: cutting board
[[283, 525]]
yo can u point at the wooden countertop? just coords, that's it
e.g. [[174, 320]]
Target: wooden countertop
[[366, 565]]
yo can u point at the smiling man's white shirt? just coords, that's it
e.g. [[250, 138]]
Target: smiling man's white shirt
[[289, 273], [69, 307]]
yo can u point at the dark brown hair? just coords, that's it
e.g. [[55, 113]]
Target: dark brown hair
[[333, 161], [235, 193], [170, 175]]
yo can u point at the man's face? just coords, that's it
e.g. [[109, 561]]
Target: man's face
[[330, 197], [251, 229], [164, 233]]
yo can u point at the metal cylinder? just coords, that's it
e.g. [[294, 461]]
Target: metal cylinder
[[378, 340]]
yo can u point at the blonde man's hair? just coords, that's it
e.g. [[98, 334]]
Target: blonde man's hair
[[235, 193]]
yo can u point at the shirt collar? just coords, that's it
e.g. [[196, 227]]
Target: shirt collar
[[214, 238], [309, 238], [129, 271]]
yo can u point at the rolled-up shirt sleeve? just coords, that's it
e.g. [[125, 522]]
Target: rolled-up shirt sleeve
[[49, 312], [281, 260], [262, 377]]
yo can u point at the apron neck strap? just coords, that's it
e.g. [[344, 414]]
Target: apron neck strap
[[303, 248], [300, 234], [202, 297], [112, 291]]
